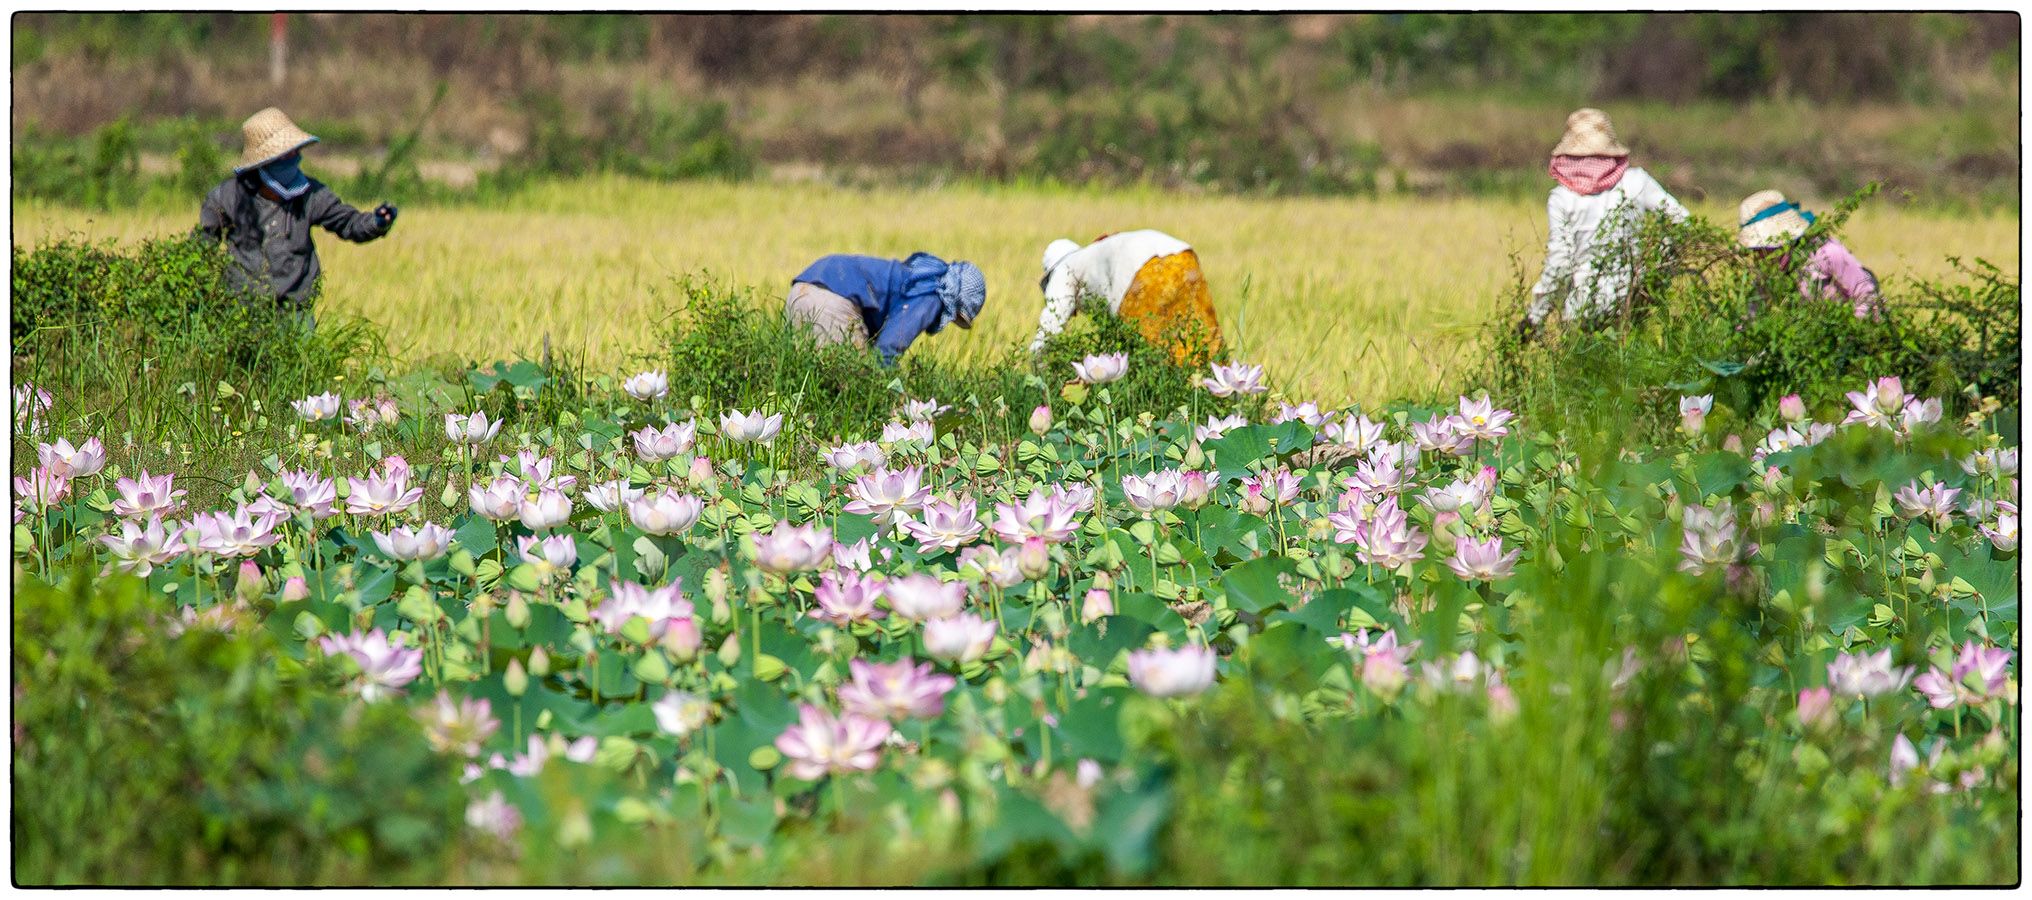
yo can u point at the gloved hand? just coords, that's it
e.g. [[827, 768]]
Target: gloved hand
[[386, 213]]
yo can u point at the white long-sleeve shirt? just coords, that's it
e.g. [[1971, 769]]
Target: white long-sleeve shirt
[[1103, 268], [1587, 246]]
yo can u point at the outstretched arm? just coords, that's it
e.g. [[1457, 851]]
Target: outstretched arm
[[329, 212], [1059, 305]]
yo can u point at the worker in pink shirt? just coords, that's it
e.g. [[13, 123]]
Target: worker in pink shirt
[[1772, 224]]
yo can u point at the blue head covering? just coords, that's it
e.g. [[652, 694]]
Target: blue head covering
[[963, 291], [285, 176]]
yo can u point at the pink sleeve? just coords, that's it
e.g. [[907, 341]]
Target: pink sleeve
[[1844, 270]]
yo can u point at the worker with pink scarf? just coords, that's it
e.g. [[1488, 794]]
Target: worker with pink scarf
[[1592, 216]]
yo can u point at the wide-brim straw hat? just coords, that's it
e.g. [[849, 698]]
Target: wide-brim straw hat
[[267, 136], [1588, 133], [1773, 230]]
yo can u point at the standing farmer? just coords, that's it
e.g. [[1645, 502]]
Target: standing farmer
[[862, 299], [1772, 225], [1591, 217], [265, 211], [1147, 277]]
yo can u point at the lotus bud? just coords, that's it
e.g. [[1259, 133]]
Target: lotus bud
[[1098, 603], [517, 612], [1194, 456], [681, 639], [1816, 708], [1733, 443], [1040, 420], [1792, 408], [1034, 558], [722, 612], [577, 828], [539, 662], [1384, 675], [248, 587], [730, 651], [1037, 659], [701, 473], [295, 589], [716, 589], [515, 679], [1103, 581], [1194, 489]]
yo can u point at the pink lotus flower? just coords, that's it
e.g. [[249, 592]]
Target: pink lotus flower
[[1355, 432], [1215, 428], [750, 427], [1102, 368], [924, 410], [537, 474], [1039, 515], [1878, 405], [1935, 504], [317, 408], [904, 689], [793, 548], [665, 512], [1172, 672], [1482, 560], [681, 712], [1351, 516], [1033, 559], [1791, 408], [1098, 603], [1979, 674], [889, 496], [1157, 491], [1194, 489], [1458, 496], [146, 495], [920, 597], [72, 462], [1075, 494], [1265, 491], [1693, 412], [608, 496], [1379, 474], [32, 406], [1442, 434], [657, 445], [1919, 412], [961, 639], [381, 494], [1040, 420], [946, 525], [1230, 380], [661, 607], [460, 726], [820, 744], [2003, 534], [546, 509], [853, 556], [41, 489], [473, 429], [845, 597], [1307, 412], [848, 457], [1816, 707], [139, 550], [901, 435], [1480, 420], [1996, 462], [495, 817], [498, 500], [1389, 540], [1711, 540], [1383, 665], [384, 667], [428, 542], [552, 556], [242, 533], [1866, 675], [647, 386], [999, 567], [310, 493]]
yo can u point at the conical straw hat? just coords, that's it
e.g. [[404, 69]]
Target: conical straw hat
[[267, 136], [1588, 133], [1772, 230]]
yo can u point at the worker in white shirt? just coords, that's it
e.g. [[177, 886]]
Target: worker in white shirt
[[1591, 217], [1147, 277]]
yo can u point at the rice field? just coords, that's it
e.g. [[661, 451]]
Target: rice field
[[1343, 299]]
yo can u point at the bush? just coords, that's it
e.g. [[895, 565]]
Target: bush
[[138, 334], [204, 758], [1706, 317]]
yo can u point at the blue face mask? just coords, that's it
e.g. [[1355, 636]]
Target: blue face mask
[[285, 177]]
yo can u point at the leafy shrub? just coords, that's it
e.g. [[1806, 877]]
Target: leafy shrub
[[1706, 317], [141, 758], [138, 333]]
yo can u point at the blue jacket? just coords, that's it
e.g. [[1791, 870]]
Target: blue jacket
[[898, 300]]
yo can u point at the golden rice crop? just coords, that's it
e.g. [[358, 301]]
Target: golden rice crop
[[1342, 299]]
